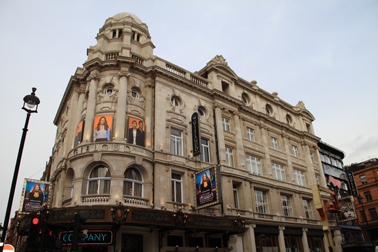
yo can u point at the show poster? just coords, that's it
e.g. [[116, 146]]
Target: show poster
[[206, 187], [102, 128], [79, 133], [35, 195], [136, 131], [348, 210]]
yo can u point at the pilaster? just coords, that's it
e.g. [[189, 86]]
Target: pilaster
[[93, 79]]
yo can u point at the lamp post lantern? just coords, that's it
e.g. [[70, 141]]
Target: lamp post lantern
[[30, 106]]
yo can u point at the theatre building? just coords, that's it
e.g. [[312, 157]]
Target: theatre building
[[124, 156]]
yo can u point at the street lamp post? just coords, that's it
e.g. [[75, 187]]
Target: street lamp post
[[360, 198], [31, 101]]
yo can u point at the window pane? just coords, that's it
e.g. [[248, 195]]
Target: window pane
[[92, 188], [127, 188], [133, 174], [137, 189], [178, 192], [104, 187]]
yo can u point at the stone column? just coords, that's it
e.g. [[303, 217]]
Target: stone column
[[121, 106], [221, 144], [304, 240], [288, 150], [150, 87], [249, 241], [91, 105], [281, 238], [240, 156]]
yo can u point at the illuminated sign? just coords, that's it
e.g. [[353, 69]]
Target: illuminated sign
[[348, 211], [334, 172], [207, 191], [196, 136], [91, 238], [35, 195], [352, 183]]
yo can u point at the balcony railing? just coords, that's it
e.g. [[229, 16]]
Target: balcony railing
[[100, 198], [198, 80], [111, 56], [136, 201], [67, 202], [138, 60], [175, 70]]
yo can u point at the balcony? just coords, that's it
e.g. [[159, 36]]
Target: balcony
[[136, 201], [97, 198]]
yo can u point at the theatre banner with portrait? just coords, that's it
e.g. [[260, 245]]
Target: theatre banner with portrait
[[207, 189], [79, 133], [102, 128], [348, 210], [136, 131], [35, 195]]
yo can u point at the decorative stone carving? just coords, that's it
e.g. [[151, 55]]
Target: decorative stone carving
[[94, 75], [217, 60], [299, 106]]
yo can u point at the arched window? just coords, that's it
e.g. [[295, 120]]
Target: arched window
[[245, 98], [175, 101], [134, 93], [99, 181], [132, 184]]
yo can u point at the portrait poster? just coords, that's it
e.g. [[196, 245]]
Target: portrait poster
[[136, 131], [206, 187], [102, 128], [35, 195], [348, 210], [79, 133]]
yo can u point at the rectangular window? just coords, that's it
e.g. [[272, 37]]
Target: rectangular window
[[363, 215], [368, 196], [299, 178], [295, 151], [176, 141], [250, 133], [205, 155], [229, 157], [373, 213], [278, 172], [254, 165], [176, 187], [339, 164], [236, 196], [261, 202], [333, 162], [274, 143], [226, 124], [307, 208], [119, 33], [363, 179], [327, 160], [322, 157], [286, 206]]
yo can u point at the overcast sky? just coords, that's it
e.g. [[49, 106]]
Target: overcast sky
[[324, 53]]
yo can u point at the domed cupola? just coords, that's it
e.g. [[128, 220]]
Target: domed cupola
[[126, 35]]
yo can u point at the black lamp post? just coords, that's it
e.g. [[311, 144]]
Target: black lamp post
[[360, 198], [31, 101]]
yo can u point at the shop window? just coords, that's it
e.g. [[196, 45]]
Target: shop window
[[175, 240], [373, 214], [315, 243], [267, 242], [278, 172], [307, 208], [176, 142], [215, 242], [250, 134], [129, 243], [226, 124], [229, 157], [195, 241], [286, 206], [299, 178], [176, 183], [363, 179], [274, 143], [132, 184], [205, 154], [254, 165], [99, 181], [261, 201], [368, 196]]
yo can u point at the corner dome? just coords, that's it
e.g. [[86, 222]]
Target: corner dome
[[123, 15]]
